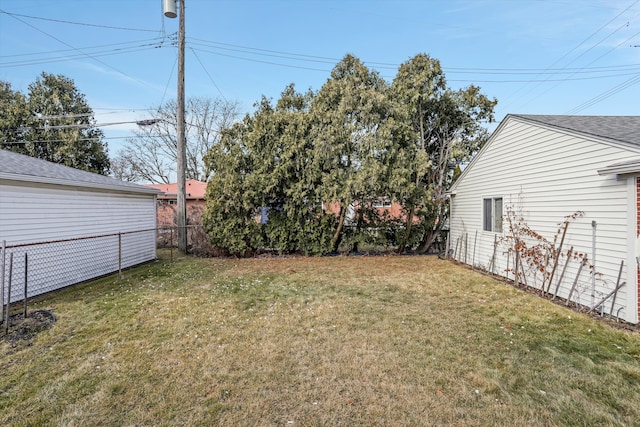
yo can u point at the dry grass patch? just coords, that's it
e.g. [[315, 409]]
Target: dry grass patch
[[317, 341]]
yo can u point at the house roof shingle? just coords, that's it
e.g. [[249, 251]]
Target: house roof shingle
[[195, 189], [624, 129], [18, 167]]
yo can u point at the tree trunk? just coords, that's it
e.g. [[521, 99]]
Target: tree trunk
[[337, 236], [427, 240], [407, 234], [359, 225]]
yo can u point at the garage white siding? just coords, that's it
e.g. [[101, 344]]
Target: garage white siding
[[72, 225], [546, 174], [44, 213]]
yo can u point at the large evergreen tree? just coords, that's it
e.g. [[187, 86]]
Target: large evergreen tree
[[232, 194], [265, 165], [54, 122], [443, 129], [352, 135], [14, 117], [317, 162]]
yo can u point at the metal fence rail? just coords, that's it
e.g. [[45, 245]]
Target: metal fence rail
[[47, 266]]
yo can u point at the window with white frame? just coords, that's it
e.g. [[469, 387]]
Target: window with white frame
[[492, 214]]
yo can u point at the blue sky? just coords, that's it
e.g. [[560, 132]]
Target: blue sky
[[534, 56]]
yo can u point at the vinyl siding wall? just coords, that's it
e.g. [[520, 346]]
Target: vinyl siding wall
[[41, 213], [546, 175]]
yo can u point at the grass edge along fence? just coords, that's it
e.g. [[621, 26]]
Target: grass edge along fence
[[560, 271], [35, 268]]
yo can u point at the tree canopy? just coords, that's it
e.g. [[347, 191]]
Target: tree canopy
[[318, 164], [52, 122]]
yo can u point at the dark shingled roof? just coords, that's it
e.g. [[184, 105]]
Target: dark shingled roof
[[625, 129], [18, 167]]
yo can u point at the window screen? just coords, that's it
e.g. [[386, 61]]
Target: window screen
[[497, 215], [492, 214], [486, 215]]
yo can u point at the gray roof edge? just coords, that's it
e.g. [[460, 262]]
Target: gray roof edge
[[21, 168], [130, 188], [539, 119]]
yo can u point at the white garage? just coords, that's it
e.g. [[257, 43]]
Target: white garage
[[67, 226]]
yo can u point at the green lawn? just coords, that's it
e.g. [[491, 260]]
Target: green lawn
[[316, 341]]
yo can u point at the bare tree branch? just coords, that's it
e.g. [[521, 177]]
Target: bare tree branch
[[151, 154]]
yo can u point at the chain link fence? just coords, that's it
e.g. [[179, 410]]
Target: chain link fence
[[37, 268], [197, 240]]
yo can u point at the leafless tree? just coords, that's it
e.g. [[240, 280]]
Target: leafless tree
[[151, 154]]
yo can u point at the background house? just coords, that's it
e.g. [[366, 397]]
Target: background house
[[73, 225], [543, 168], [168, 202]]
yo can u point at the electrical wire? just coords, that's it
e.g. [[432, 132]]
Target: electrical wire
[[613, 71], [72, 47], [606, 94], [49, 52], [166, 87], [617, 74], [517, 92], [95, 55], [207, 72], [78, 23], [42, 141]]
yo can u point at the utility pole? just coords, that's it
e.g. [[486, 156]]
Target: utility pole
[[169, 11]]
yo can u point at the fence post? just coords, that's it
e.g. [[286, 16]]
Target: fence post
[[119, 255], [6, 323], [493, 257], [171, 242], [473, 260], [593, 264], [613, 302], [447, 245], [564, 269], [4, 250], [575, 282], [26, 269], [466, 246]]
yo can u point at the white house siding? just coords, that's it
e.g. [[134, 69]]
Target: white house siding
[[37, 213], [546, 175]]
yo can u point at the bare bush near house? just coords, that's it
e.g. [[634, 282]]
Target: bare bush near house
[[528, 248]]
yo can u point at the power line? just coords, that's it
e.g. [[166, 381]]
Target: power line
[[93, 55], [606, 94], [618, 74], [49, 52], [384, 65], [42, 141], [578, 45], [81, 126], [168, 81], [207, 72], [72, 47], [79, 23]]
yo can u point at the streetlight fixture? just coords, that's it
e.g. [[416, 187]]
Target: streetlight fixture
[[170, 12]]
